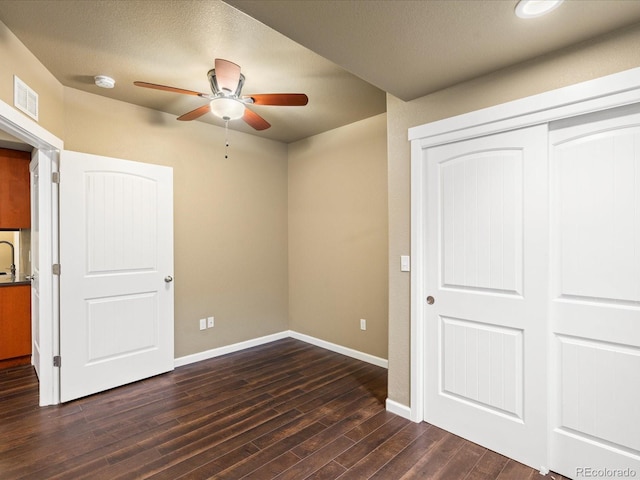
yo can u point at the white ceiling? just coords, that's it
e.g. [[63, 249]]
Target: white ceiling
[[335, 51]]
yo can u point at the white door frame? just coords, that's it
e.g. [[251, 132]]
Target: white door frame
[[47, 146], [594, 95]]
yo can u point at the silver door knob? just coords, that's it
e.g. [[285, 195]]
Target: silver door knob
[[430, 300], [168, 279]]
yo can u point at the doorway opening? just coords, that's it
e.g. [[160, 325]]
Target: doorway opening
[[24, 134]]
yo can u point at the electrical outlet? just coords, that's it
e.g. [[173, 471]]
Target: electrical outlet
[[203, 323], [210, 322], [363, 324]]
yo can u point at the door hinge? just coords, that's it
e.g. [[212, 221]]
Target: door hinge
[[55, 177], [57, 361], [55, 269]]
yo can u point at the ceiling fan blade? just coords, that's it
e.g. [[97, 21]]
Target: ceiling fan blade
[[283, 99], [255, 120], [193, 114], [168, 89], [227, 74]]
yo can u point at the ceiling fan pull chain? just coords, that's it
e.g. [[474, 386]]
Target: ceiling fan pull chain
[[226, 138]]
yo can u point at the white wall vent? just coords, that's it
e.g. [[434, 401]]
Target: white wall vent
[[24, 98]]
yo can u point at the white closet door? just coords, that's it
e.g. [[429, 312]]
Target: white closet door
[[486, 269], [595, 294]]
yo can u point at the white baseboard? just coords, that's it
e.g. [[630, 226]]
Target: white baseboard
[[349, 352], [399, 409], [216, 352]]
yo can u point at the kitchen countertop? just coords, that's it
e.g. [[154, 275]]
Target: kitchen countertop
[[10, 280]]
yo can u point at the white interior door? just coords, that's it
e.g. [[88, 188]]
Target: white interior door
[[486, 270], [44, 286], [116, 256], [34, 169], [595, 295]]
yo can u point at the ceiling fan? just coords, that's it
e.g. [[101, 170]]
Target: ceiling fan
[[226, 101]]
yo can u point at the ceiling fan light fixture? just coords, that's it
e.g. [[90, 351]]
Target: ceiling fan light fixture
[[227, 108], [536, 8]]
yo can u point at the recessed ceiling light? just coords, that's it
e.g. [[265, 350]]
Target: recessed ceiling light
[[104, 81], [535, 8]]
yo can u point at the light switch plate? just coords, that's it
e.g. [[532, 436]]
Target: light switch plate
[[405, 263]]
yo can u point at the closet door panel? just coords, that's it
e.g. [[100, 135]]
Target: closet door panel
[[595, 292], [486, 268]]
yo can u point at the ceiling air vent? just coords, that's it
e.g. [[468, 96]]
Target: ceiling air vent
[[24, 98]]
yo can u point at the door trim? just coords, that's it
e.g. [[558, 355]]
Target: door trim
[[587, 97], [47, 146]]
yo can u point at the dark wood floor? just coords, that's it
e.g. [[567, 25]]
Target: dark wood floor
[[285, 410]]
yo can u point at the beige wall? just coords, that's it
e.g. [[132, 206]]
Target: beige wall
[[338, 236], [610, 54], [230, 215], [15, 59], [241, 205]]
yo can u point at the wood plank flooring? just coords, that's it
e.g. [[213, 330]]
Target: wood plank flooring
[[285, 410]]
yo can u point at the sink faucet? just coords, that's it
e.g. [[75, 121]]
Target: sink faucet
[[13, 257]]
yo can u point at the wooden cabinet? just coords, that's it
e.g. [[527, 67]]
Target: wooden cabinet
[[15, 202], [15, 325]]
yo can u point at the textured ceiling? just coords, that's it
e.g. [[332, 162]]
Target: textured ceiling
[[332, 50], [175, 42], [411, 48]]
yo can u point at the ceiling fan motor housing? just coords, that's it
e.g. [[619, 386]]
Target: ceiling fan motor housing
[[211, 75]]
